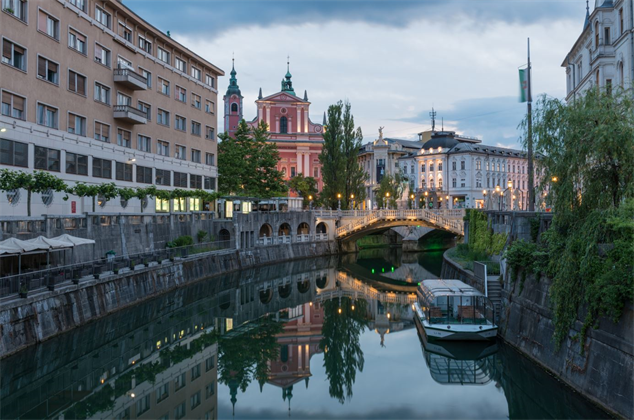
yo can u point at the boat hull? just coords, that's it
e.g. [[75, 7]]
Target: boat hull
[[455, 332]]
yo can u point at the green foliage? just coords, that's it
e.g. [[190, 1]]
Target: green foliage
[[36, 182], [248, 163], [305, 187], [588, 145], [201, 235], [341, 172], [392, 184], [184, 240], [534, 223], [481, 237]]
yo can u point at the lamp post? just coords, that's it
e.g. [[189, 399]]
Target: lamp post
[[509, 187], [411, 197], [447, 198], [426, 194], [339, 201], [387, 198], [497, 190], [310, 202], [351, 201], [484, 199]]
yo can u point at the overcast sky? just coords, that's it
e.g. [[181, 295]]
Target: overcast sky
[[393, 60]]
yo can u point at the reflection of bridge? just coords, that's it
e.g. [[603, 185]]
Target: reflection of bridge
[[353, 288]]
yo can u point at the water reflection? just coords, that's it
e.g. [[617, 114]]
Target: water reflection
[[242, 344]]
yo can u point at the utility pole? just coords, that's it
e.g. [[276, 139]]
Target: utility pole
[[529, 142]]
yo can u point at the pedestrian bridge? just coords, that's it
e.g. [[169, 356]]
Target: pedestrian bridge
[[358, 223]]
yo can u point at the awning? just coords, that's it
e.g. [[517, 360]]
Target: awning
[[41, 243], [17, 246], [75, 240]]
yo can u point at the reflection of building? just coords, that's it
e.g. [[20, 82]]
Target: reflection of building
[[602, 55], [298, 139], [389, 318], [91, 92]]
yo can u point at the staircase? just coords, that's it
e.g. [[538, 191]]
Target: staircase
[[494, 288]]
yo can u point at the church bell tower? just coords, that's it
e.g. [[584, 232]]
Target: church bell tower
[[233, 103]]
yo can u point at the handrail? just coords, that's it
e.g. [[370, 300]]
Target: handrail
[[451, 224], [124, 71], [129, 108]]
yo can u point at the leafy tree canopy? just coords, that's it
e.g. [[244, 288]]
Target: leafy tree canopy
[[392, 185], [304, 186]]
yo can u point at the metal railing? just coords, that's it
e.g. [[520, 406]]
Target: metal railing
[[123, 71], [131, 109], [52, 277]]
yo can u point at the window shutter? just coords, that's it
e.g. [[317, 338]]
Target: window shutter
[[6, 98], [71, 122], [42, 21], [18, 103], [41, 67], [6, 49], [52, 67], [81, 85], [72, 82], [98, 51], [18, 50]]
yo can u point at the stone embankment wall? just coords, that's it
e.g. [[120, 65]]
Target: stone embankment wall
[[602, 374], [24, 322]]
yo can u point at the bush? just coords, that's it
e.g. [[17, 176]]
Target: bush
[[181, 241], [201, 235]]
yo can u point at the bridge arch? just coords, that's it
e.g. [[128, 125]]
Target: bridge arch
[[284, 230], [224, 235], [321, 228], [303, 229], [266, 231]]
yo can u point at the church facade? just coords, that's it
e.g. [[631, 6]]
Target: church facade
[[298, 139]]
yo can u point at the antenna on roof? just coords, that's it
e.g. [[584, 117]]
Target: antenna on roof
[[443, 123], [432, 114]]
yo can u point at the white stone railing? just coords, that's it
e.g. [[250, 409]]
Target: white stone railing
[[451, 224], [353, 288]]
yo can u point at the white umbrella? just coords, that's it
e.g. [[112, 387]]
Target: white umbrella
[[48, 243], [75, 240], [17, 246]]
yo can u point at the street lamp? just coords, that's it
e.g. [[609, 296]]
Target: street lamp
[[484, 199], [447, 198], [310, 202], [339, 200], [387, 198], [411, 197], [554, 179], [352, 202]]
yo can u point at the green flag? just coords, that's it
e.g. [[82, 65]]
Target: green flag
[[523, 85]]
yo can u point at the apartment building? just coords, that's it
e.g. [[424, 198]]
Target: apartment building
[[93, 93]]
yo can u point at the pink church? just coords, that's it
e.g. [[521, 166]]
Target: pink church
[[298, 139]]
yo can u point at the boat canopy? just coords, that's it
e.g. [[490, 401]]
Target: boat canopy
[[432, 289]]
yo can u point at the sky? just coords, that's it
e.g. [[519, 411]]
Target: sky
[[392, 60]]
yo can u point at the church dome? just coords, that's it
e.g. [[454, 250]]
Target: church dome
[[443, 139]]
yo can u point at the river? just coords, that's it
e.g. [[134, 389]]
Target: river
[[308, 339]]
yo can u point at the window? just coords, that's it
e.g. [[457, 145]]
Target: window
[[487, 165], [103, 17], [163, 117], [293, 172], [102, 132], [440, 166], [76, 124], [462, 165], [179, 411], [77, 41], [210, 159], [80, 4], [210, 183], [13, 55], [596, 34], [47, 24], [608, 86], [142, 405], [125, 32], [210, 107], [196, 74], [143, 174], [124, 138], [194, 204], [195, 128], [180, 381], [440, 183], [47, 70], [16, 8], [209, 80], [488, 183], [210, 389], [179, 64], [423, 167], [195, 181], [431, 167], [76, 164], [122, 63], [210, 363], [123, 99], [102, 93], [283, 125], [164, 86], [606, 36], [180, 94], [195, 400], [478, 183], [462, 183], [180, 152], [405, 169], [101, 168], [315, 173], [195, 156], [123, 172], [162, 392], [180, 123], [146, 108], [195, 374], [196, 101], [144, 143], [163, 177], [76, 83], [145, 45], [453, 182], [180, 179], [102, 55], [163, 148], [621, 20], [162, 55], [234, 107], [148, 77], [478, 165], [14, 153], [13, 105], [47, 116]]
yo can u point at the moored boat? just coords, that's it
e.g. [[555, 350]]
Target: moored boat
[[453, 310]]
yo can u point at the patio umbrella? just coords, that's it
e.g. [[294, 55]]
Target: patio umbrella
[[18, 247], [76, 241]]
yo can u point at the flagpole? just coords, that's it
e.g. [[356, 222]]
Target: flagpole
[[531, 186]]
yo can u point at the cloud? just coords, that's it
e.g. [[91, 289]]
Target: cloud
[[214, 17]]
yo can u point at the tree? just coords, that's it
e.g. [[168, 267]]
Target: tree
[[36, 182], [586, 168], [248, 163], [304, 186], [392, 184], [107, 191], [340, 169]]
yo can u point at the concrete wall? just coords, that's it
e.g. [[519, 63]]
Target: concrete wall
[[24, 322]]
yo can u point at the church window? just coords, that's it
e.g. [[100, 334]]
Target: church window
[[283, 125], [234, 107]]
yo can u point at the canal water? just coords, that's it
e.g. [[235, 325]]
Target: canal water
[[318, 338]]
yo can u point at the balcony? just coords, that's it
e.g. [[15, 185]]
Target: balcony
[[128, 114], [130, 79]]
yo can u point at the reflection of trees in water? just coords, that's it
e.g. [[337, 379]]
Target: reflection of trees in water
[[243, 358], [342, 351]]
